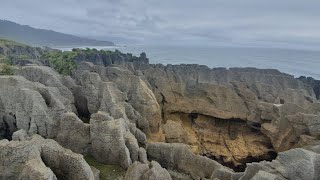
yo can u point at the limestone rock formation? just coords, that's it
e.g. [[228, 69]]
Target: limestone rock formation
[[159, 122], [48, 77], [151, 171], [40, 158], [179, 157], [208, 105], [74, 134], [112, 141], [292, 164], [120, 93], [30, 106]]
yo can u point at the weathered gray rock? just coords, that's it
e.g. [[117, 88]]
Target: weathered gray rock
[[74, 134], [151, 171], [136, 171], [40, 158], [179, 157], [143, 155], [179, 176], [108, 141], [20, 135], [132, 145], [120, 93], [65, 163], [36, 169], [96, 173], [30, 106], [292, 164], [48, 77], [262, 175], [156, 172]]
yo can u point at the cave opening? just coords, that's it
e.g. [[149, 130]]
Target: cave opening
[[241, 167], [8, 126], [231, 142], [81, 104]]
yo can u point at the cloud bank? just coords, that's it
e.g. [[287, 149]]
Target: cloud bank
[[273, 23]]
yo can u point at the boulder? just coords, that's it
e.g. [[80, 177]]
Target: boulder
[[20, 135]]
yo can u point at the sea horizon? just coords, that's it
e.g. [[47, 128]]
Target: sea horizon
[[296, 62]]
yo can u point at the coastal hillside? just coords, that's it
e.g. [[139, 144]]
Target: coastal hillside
[[42, 37], [87, 114]]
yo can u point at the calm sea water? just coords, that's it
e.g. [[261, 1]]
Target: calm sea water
[[295, 62]]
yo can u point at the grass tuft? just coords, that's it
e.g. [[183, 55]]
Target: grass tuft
[[107, 172]]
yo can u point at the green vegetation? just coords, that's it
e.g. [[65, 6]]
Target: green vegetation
[[6, 69], [107, 172], [41, 37], [5, 59], [62, 62], [5, 66], [6, 42]]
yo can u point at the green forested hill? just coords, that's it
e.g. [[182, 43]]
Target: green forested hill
[[41, 37]]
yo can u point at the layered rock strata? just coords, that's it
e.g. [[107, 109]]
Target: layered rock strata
[[159, 122]]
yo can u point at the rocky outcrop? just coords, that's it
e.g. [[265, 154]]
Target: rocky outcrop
[[120, 93], [315, 84], [30, 106], [121, 110], [292, 164], [48, 77], [208, 106], [39, 158], [151, 171], [108, 141], [74, 134], [10, 48], [105, 58], [180, 158], [232, 142]]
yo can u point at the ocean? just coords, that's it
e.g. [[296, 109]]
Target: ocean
[[294, 62]]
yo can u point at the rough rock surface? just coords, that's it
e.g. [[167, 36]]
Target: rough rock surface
[[74, 134], [120, 93], [292, 164], [194, 95], [120, 107], [179, 157], [151, 171], [30, 106], [112, 141], [39, 158]]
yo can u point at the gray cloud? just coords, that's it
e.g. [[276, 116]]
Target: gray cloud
[[250, 22]]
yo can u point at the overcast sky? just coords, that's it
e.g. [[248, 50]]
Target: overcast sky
[[283, 23]]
